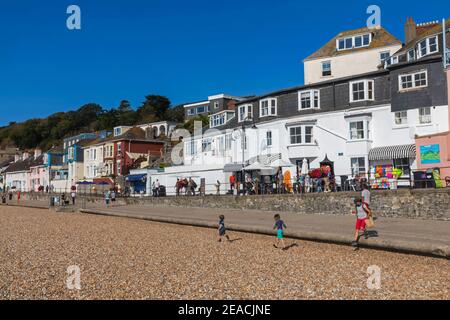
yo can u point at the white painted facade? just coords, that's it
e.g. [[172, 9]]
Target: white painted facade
[[18, 179], [93, 162], [331, 137]]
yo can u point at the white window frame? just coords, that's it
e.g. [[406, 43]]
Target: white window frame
[[402, 116], [247, 114], [425, 117], [353, 46], [302, 135], [382, 61], [364, 130], [312, 99], [271, 109], [427, 46], [216, 105], [414, 86], [366, 90], [269, 141], [358, 167], [408, 56]]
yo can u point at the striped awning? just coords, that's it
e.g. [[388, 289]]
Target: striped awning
[[393, 152]]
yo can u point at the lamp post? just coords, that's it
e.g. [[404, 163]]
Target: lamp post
[[243, 142]]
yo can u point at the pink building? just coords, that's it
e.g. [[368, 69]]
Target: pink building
[[433, 151]]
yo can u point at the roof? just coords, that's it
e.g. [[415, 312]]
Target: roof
[[424, 31], [6, 162], [133, 134], [380, 38], [25, 165]]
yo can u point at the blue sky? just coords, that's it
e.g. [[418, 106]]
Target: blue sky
[[185, 50]]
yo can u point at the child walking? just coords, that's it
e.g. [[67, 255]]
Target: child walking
[[361, 211], [279, 226], [222, 230]]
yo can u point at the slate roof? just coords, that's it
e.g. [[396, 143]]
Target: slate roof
[[380, 38], [25, 165]]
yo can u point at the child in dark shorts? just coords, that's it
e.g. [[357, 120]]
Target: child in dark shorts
[[222, 230]]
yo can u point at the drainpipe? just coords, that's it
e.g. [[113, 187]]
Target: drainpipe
[[444, 40]]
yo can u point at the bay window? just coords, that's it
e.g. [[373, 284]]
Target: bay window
[[357, 131], [358, 166], [427, 46], [245, 112]]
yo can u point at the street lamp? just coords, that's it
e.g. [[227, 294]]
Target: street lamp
[[243, 142]]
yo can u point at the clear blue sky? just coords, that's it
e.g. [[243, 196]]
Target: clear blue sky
[[184, 49]]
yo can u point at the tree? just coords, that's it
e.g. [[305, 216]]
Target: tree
[[154, 107]]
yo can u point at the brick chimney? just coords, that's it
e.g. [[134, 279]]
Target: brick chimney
[[410, 30], [25, 155], [17, 158]]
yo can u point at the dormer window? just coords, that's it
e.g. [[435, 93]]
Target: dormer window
[[411, 55], [268, 107], [354, 42], [309, 99], [245, 112], [427, 46]]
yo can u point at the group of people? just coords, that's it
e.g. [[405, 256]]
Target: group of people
[[361, 210], [185, 186], [110, 197]]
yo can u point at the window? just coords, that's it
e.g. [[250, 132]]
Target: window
[[425, 115], [427, 46], [119, 168], [268, 107], [216, 105], [411, 55], [326, 68], [245, 112], [403, 164], [117, 132], [358, 41], [401, 118], [206, 145], [413, 80], [308, 134], [296, 135], [358, 166], [269, 138], [301, 135], [191, 148], [217, 120], [357, 130], [384, 56], [228, 139], [309, 99], [361, 90]]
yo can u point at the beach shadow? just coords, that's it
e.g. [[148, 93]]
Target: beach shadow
[[292, 245], [234, 240]]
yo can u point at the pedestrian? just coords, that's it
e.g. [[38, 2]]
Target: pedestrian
[[157, 186], [361, 213], [222, 230], [232, 183], [113, 197], [217, 187], [177, 187], [18, 196], [279, 226], [73, 195], [154, 189], [192, 186], [107, 197], [365, 194]]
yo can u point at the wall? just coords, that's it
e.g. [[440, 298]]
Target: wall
[[346, 65]]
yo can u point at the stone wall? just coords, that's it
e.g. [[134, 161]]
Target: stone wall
[[415, 204]]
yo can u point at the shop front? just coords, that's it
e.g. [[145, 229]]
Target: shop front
[[392, 167]]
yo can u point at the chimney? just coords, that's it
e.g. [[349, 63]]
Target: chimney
[[37, 153], [16, 158], [410, 30], [25, 155]]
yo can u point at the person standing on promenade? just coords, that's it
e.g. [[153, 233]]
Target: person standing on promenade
[[365, 194], [113, 197], [73, 196], [279, 226], [107, 197]]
